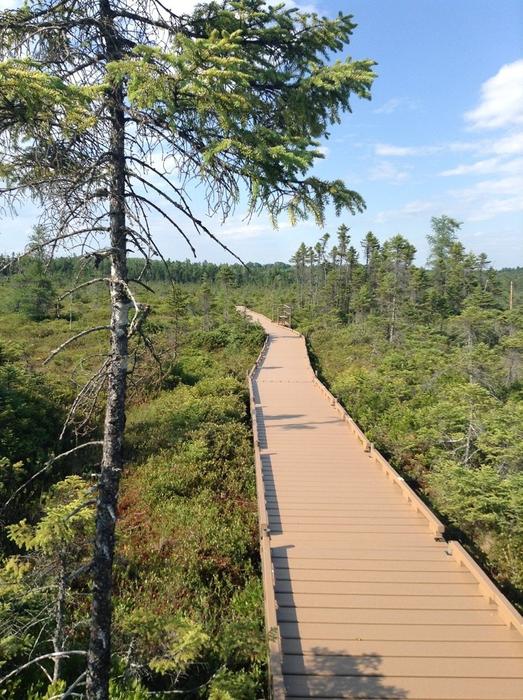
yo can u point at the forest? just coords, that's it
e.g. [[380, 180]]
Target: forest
[[427, 360]]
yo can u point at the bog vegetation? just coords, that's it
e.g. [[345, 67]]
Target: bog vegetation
[[188, 602], [427, 360]]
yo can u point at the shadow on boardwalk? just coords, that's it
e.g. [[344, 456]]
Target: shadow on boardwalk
[[321, 674]]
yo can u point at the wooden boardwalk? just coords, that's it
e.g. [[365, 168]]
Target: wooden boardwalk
[[366, 598]]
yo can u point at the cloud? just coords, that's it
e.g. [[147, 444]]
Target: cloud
[[387, 171], [417, 206], [501, 103], [396, 103], [387, 150], [240, 232], [390, 151], [489, 166], [487, 199], [508, 145], [491, 208], [500, 107], [389, 107], [238, 229], [511, 185]]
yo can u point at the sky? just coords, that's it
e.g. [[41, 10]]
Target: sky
[[443, 134]]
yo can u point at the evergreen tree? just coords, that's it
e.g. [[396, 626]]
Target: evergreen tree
[[442, 240], [394, 284], [178, 306], [56, 557], [34, 292]]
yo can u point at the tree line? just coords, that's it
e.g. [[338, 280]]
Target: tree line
[[383, 279]]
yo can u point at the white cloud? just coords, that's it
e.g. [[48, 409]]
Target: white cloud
[[480, 167], [462, 146], [511, 185], [385, 170], [492, 208], [389, 106], [239, 228], [501, 106], [508, 145], [501, 103], [417, 206], [241, 232], [390, 151], [489, 166], [386, 150], [488, 198], [396, 103]]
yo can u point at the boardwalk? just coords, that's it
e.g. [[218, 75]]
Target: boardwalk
[[369, 600]]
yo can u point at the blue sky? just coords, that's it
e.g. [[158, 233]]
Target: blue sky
[[442, 134]]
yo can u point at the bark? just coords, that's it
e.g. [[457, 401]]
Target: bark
[[99, 655], [392, 323], [468, 441], [58, 636]]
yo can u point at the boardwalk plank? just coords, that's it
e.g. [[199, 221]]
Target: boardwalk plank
[[424, 667], [405, 649], [387, 687]]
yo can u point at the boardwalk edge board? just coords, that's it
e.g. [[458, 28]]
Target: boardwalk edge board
[[506, 610], [276, 683], [509, 616]]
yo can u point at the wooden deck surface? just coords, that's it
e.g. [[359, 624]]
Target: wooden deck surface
[[370, 601]]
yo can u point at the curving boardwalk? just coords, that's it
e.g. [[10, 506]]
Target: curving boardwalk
[[367, 598]]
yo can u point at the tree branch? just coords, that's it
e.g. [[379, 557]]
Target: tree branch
[[48, 465], [84, 284], [52, 655], [95, 329]]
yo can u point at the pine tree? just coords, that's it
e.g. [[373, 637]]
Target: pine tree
[[442, 240], [398, 255]]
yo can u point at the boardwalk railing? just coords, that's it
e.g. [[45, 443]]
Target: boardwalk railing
[[276, 684], [436, 526], [506, 610]]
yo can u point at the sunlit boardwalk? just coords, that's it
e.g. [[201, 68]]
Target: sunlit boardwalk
[[367, 598]]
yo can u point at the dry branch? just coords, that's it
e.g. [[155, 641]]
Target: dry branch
[[48, 465], [94, 329]]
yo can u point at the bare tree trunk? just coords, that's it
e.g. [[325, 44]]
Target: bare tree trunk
[[58, 636], [99, 655], [392, 323], [468, 441]]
